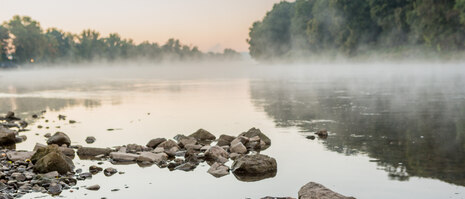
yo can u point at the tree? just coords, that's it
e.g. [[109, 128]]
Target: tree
[[4, 36], [28, 39], [90, 45]]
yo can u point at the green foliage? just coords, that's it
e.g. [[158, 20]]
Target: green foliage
[[352, 27], [30, 44]]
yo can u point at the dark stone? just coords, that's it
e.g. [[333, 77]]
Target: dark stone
[[323, 133], [109, 171], [155, 142], [311, 137], [254, 167], [203, 135], [55, 188], [90, 152], [7, 136], [314, 190], [59, 138], [51, 159], [225, 140], [90, 139]]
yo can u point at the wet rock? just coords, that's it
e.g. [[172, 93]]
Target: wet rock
[[323, 133], [256, 132], [38, 146], [123, 157], [20, 138], [238, 148], [225, 140], [187, 141], [218, 170], [314, 190], [310, 137], [155, 142], [156, 158], [168, 144], [61, 117], [133, 148], [254, 167], [7, 136], [51, 159], [59, 138], [203, 135], [95, 169], [188, 166], [92, 152], [90, 139], [109, 171], [217, 154], [54, 188], [48, 135], [93, 187], [72, 121], [16, 155]]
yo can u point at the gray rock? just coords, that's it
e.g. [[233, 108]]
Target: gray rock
[[195, 147], [240, 139], [155, 142], [51, 175], [59, 138], [38, 146], [18, 176], [55, 188], [203, 135], [152, 157], [16, 155], [93, 187], [256, 132], [254, 167], [225, 140], [51, 159], [133, 148], [7, 136], [168, 144], [218, 170], [92, 152], [48, 135], [217, 154], [238, 148], [188, 166], [109, 171], [90, 139], [95, 169], [314, 190], [187, 141], [123, 157]]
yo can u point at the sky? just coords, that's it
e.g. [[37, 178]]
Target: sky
[[212, 25]]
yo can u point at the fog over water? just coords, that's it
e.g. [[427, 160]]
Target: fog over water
[[397, 130]]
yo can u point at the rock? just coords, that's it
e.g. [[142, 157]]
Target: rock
[[72, 121], [254, 167], [48, 135], [238, 148], [158, 150], [269, 197], [152, 157], [61, 117], [123, 157], [59, 138], [20, 138], [133, 148], [18, 176], [38, 146], [323, 133], [168, 144], [311, 137], [54, 188], [16, 155], [240, 139], [95, 169], [51, 159], [109, 171], [187, 141], [155, 142], [7, 136], [218, 170], [314, 190], [90, 139], [51, 175], [67, 151], [195, 147], [256, 132], [217, 154], [188, 166], [93, 187], [203, 135], [92, 152], [234, 156], [205, 148], [225, 140]]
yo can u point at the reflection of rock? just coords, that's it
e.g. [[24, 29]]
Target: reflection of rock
[[254, 167], [314, 190]]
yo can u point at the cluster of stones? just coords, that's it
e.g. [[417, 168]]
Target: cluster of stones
[[50, 169]]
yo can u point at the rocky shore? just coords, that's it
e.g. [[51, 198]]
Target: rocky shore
[[49, 168]]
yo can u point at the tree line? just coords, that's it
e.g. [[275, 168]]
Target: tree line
[[23, 40], [356, 27]]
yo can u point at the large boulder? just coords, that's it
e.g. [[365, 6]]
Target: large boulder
[[155, 142], [7, 136], [59, 138], [51, 159], [217, 154], [314, 190], [254, 167], [256, 132], [225, 140], [203, 135]]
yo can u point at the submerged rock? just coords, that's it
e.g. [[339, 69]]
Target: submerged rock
[[59, 138], [254, 167], [314, 190]]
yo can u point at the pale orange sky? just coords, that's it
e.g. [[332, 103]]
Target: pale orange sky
[[209, 24]]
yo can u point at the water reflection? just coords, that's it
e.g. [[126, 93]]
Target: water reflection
[[408, 131]]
